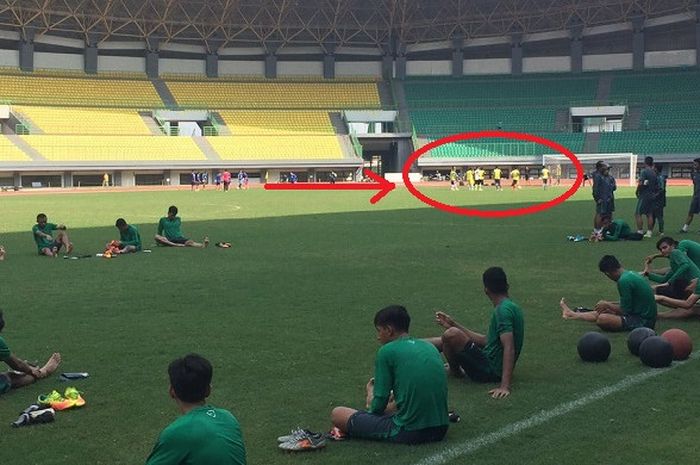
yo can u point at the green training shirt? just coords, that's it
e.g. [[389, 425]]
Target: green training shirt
[[130, 237], [507, 317], [41, 241], [681, 267], [170, 227], [414, 370], [691, 249], [617, 230], [4, 350], [203, 436], [636, 296]]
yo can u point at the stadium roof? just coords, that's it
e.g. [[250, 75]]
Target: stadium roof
[[275, 23]]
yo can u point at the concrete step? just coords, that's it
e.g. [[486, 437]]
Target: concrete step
[[165, 95], [206, 148], [224, 130], [151, 123], [338, 123], [30, 151]]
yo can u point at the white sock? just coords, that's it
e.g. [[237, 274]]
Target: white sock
[[640, 231], [685, 227]]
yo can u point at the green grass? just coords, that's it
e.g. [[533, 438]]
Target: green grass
[[285, 316]]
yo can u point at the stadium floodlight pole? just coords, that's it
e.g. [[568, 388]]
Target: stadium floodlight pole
[[380, 184]]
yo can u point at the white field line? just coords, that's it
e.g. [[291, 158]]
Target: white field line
[[544, 416]]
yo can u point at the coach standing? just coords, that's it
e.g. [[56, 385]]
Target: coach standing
[[604, 186]]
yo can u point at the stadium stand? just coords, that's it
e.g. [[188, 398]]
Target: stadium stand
[[78, 91], [10, 153], [272, 94], [280, 147], [656, 142], [114, 148], [277, 122], [85, 121]]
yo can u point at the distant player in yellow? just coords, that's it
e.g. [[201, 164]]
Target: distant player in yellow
[[497, 179], [453, 180], [479, 178], [545, 177], [470, 179], [515, 179]]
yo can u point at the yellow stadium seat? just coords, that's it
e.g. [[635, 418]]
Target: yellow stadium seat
[[10, 152], [115, 148], [86, 121]]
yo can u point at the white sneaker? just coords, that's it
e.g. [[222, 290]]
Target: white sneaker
[[648, 234]]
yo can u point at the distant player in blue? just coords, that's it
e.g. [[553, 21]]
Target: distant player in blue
[[292, 177], [217, 180], [245, 180], [193, 180], [241, 176], [695, 201]]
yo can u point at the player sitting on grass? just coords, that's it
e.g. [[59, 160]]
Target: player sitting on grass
[[675, 280], [681, 308], [490, 358], [169, 232], [24, 374], [45, 242], [129, 237], [616, 230], [637, 306], [407, 398], [203, 435]]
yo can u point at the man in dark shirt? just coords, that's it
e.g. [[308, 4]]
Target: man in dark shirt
[[604, 186], [647, 191], [695, 201]]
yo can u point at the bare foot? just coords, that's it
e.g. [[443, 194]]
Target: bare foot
[[69, 249], [206, 241], [566, 312], [51, 364]]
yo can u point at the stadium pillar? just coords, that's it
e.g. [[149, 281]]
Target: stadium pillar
[[26, 50], [117, 178], [152, 44], [271, 60], [576, 38], [458, 56], [638, 43], [67, 180], [400, 61], [91, 54], [329, 61], [212, 65], [404, 149], [17, 179], [516, 53], [387, 62]]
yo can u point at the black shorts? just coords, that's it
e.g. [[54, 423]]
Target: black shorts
[[476, 365], [514, 183], [382, 428], [479, 182], [694, 205], [645, 206], [179, 240], [675, 290], [497, 182], [605, 207], [630, 322], [54, 245], [545, 181]]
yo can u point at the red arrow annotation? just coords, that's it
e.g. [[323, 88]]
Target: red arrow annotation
[[380, 184]]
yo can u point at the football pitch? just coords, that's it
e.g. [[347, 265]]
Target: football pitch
[[285, 316]]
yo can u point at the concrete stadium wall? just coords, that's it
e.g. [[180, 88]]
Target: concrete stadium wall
[[131, 64], [300, 68], [248, 68], [352, 68], [607, 62], [71, 61], [546, 64], [9, 58], [669, 58], [171, 65], [487, 66], [428, 68]]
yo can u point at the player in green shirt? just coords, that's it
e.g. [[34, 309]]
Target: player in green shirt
[[637, 306], [673, 281], [616, 230], [407, 398], [486, 358], [688, 247], [129, 237], [22, 374], [203, 435], [169, 232], [45, 242]]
